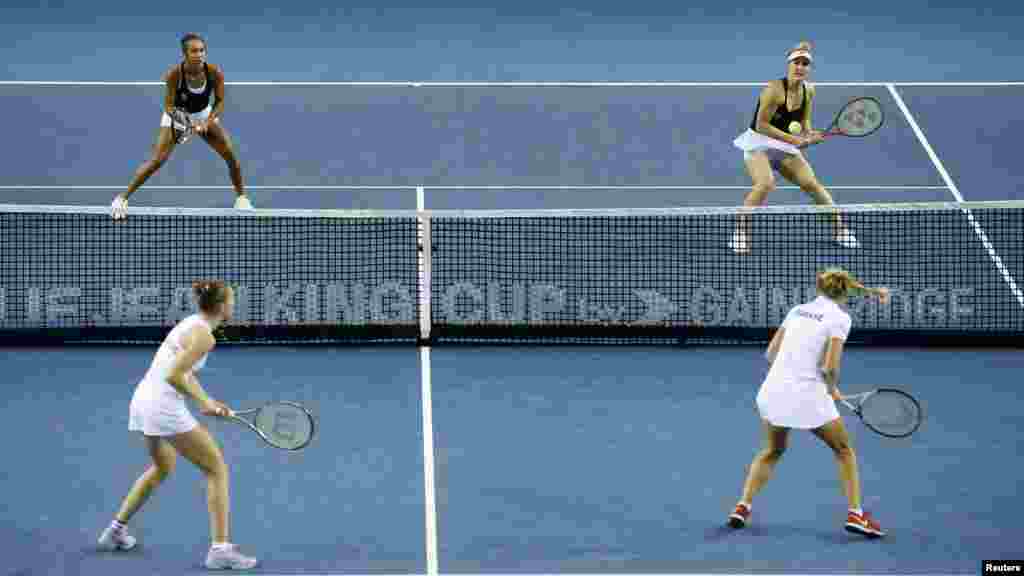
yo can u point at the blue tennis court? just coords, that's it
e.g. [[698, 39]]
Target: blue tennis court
[[547, 461], [560, 459], [369, 147]]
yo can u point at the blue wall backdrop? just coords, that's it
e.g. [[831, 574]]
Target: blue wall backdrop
[[870, 40]]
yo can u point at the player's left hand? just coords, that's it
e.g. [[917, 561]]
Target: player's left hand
[[813, 137]]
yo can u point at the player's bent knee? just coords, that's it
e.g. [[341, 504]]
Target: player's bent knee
[[843, 450], [762, 189], [214, 468], [163, 471], [217, 466], [820, 194]]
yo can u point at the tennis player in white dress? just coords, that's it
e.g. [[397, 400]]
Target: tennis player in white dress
[[800, 391], [158, 411], [781, 127]]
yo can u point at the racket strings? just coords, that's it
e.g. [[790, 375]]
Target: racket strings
[[894, 414], [860, 117], [285, 426]]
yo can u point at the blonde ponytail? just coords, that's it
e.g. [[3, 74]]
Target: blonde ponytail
[[836, 283]]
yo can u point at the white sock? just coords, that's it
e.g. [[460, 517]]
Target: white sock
[[221, 546], [118, 526], [857, 511], [747, 504]]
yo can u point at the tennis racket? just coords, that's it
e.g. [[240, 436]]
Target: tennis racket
[[859, 117], [181, 123], [284, 425], [886, 411]]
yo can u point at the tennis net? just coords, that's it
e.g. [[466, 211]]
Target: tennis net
[[73, 274], [557, 276]]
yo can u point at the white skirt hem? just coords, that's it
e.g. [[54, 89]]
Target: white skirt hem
[[796, 410], [159, 414], [751, 141]]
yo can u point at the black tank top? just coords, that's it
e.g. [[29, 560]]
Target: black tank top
[[782, 116], [189, 100]]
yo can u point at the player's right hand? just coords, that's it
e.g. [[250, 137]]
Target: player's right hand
[[212, 407]]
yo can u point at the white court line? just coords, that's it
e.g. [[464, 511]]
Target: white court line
[[464, 187], [428, 461], [1007, 277], [539, 84], [427, 396]]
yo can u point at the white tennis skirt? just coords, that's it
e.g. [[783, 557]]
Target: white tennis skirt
[[777, 150], [201, 116], [796, 404], [156, 412]]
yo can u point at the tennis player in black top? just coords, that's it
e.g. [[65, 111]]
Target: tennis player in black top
[[780, 129], [198, 88]]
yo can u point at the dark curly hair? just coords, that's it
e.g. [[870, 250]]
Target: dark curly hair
[[189, 37]]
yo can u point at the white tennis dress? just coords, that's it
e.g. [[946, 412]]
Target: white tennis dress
[[794, 394], [157, 407], [777, 150]]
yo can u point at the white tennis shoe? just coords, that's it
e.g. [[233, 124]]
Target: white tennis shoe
[[740, 243], [113, 539], [242, 203], [846, 239], [119, 208], [229, 558]]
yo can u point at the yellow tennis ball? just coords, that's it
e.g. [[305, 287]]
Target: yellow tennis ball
[[795, 127]]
